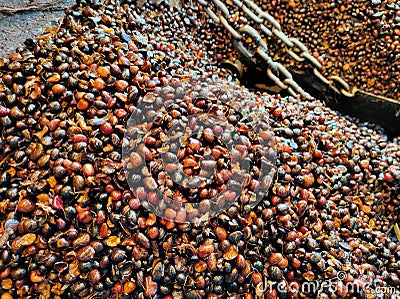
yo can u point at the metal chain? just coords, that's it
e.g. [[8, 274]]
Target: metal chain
[[269, 26]]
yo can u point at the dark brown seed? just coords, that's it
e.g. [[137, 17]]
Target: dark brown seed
[[143, 240], [94, 276], [85, 254], [81, 240]]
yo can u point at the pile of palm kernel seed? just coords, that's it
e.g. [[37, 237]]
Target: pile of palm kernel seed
[[71, 227]]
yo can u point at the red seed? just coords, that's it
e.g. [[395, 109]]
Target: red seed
[[124, 61], [113, 120], [116, 195], [106, 128], [153, 232], [171, 167], [15, 56], [109, 188], [308, 180], [216, 153], [150, 140], [79, 138], [134, 203], [240, 261], [192, 123], [205, 250], [134, 69], [106, 96], [84, 216], [53, 124], [4, 111], [277, 112], [104, 231], [296, 263], [243, 129], [94, 276], [100, 217], [121, 113], [318, 154], [221, 233], [117, 288], [146, 66], [189, 162], [303, 230], [115, 69], [75, 166], [129, 287], [388, 177], [57, 203], [143, 240]]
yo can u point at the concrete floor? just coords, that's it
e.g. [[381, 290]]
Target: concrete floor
[[16, 28]]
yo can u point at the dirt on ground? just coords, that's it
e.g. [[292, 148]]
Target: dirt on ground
[[22, 19]]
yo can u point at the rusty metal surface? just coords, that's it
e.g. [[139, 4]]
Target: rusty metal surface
[[363, 105], [22, 19]]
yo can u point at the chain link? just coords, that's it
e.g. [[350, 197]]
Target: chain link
[[294, 48], [230, 29]]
